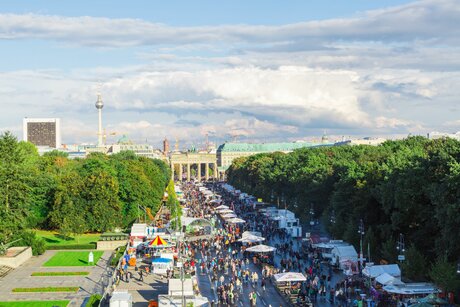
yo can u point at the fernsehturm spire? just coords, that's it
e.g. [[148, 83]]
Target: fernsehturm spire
[[99, 106]]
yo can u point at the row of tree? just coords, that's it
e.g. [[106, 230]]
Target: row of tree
[[409, 187], [95, 194]]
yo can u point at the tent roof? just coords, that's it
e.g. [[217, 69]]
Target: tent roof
[[251, 239], [345, 251], [261, 248], [158, 241], [412, 289], [289, 276], [138, 229], [387, 279], [251, 233], [175, 287], [161, 260], [376, 270]]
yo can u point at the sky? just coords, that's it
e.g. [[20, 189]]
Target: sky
[[254, 71]]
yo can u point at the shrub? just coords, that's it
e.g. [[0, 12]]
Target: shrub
[[118, 255], [94, 300], [29, 238]]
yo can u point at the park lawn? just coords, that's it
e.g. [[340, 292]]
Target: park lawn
[[46, 289], [54, 238], [60, 273], [71, 258], [34, 304]]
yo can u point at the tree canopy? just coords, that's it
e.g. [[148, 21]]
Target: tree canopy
[[409, 186], [51, 191]]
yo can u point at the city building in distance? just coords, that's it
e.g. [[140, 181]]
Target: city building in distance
[[141, 150], [45, 133], [364, 141], [439, 135]]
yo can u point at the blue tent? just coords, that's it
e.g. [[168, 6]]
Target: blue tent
[[161, 260]]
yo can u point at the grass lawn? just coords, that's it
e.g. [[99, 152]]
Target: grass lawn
[[35, 304], [54, 238], [60, 273], [71, 258]]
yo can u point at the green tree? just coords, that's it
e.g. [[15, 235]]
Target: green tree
[[444, 274], [69, 210], [173, 205], [15, 194], [414, 266], [103, 207], [389, 251]]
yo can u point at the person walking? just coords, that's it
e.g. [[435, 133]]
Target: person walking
[[222, 279], [141, 275]]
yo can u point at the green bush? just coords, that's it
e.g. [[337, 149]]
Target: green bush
[[71, 246], [94, 300], [29, 238], [118, 255]]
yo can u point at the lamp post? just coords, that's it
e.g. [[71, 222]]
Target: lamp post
[[361, 234], [400, 247], [332, 218], [312, 215], [181, 264]]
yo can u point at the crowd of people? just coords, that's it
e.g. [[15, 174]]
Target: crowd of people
[[224, 258]]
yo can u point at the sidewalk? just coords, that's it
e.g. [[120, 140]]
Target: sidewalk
[[21, 277]]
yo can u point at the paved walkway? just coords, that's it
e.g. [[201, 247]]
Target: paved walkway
[[21, 277], [143, 291]]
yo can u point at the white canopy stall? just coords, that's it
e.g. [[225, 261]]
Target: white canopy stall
[[374, 271], [343, 253], [386, 279], [261, 248], [289, 277]]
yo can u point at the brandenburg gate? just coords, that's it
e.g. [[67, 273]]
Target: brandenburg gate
[[189, 159]]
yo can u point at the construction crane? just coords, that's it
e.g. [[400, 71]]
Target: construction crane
[[104, 136]]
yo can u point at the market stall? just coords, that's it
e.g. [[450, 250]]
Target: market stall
[[289, 285], [161, 265]]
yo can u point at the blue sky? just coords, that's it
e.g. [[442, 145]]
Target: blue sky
[[263, 70], [193, 13]]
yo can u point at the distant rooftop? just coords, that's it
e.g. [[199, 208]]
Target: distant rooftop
[[267, 147]]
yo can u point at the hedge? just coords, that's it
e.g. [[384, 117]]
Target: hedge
[[118, 255], [71, 246], [94, 300]]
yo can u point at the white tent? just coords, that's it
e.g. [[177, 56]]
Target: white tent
[[229, 216], [175, 287], [251, 239], [121, 298], [216, 201], [386, 279], [185, 220], [223, 207], [377, 270], [341, 253], [223, 211], [261, 249], [412, 289], [289, 277], [236, 221], [251, 233]]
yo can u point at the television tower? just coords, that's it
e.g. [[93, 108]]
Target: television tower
[[99, 106]]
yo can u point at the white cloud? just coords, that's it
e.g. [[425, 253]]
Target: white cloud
[[384, 71], [421, 20]]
